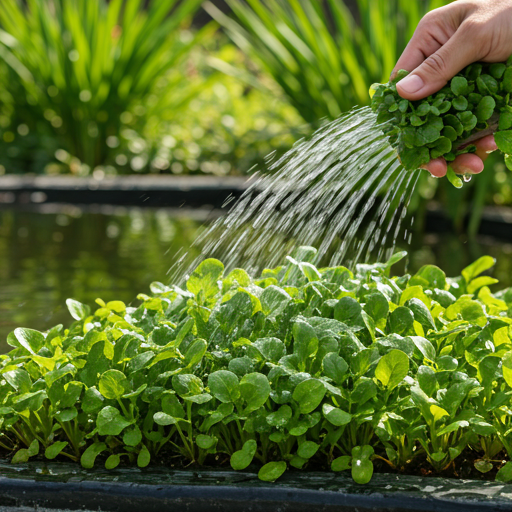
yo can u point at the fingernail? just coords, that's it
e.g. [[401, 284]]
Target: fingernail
[[411, 84]]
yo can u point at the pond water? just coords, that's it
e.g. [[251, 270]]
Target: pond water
[[49, 255]]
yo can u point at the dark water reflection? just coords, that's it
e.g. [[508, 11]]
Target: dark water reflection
[[116, 253], [48, 257]]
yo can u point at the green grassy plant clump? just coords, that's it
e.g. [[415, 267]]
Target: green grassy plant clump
[[476, 100], [71, 71], [300, 367]]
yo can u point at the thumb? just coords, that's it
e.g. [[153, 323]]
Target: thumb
[[433, 74]]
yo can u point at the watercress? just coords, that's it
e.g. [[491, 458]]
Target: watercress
[[300, 367], [474, 103]]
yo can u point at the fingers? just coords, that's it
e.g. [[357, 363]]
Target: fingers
[[434, 72], [424, 43], [468, 164], [437, 167], [485, 146]]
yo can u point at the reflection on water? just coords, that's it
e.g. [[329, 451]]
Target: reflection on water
[[48, 257], [115, 254]]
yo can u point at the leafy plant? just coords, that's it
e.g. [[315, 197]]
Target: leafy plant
[[227, 127], [475, 102], [321, 54], [71, 69], [298, 367]]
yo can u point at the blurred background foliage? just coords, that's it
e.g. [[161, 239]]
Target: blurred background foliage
[[180, 87]]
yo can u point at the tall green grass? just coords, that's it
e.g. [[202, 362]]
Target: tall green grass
[[324, 56], [71, 68]]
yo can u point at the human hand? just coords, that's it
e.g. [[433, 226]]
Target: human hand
[[447, 40]]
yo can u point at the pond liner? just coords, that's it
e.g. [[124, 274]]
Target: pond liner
[[145, 190], [64, 486]]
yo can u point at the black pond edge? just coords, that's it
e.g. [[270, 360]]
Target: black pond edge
[[56, 486], [144, 190], [47, 193]]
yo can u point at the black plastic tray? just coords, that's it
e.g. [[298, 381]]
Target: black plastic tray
[[63, 486]]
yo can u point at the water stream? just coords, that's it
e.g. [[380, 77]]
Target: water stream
[[342, 191]]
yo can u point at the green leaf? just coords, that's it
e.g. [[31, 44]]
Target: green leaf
[[305, 341], [505, 122], [336, 416], [30, 401], [376, 306], [309, 394], [20, 456], [186, 385], [255, 390], [224, 386], [164, 419], [144, 457], [341, 463], [362, 466], [281, 417], [421, 313], [307, 449], [481, 265], [507, 368], [392, 368], [19, 379], [504, 141], [401, 320], [195, 353], [274, 301], [30, 339], [54, 449], [206, 442], [89, 456], [505, 473], [427, 134], [485, 108], [425, 347], [113, 461], [110, 422], [272, 349], [92, 401], [365, 389], [241, 459], [479, 282], [271, 471], [347, 309], [459, 85], [335, 367], [429, 276], [204, 282], [78, 310], [113, 384], [132, 436]]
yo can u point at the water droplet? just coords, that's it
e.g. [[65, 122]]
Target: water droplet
[[467, 177]]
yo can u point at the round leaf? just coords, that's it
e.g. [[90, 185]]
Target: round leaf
[[224, 386], [54, 449], [309, 394], [113, 384], [242, 458], [271, 471], [392, 368], [110, 422]]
